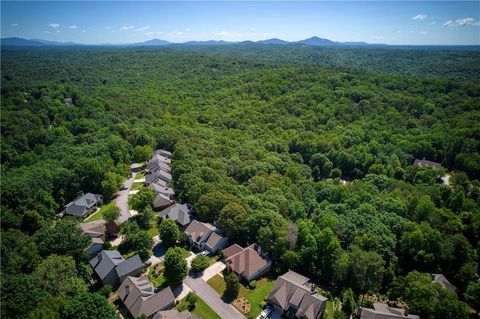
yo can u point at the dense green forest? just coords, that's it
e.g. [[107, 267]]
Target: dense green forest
[[311, 160]]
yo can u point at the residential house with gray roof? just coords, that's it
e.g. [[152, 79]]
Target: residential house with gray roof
[[199, 233], [84, 205], [175, 314], [153, 177], [140, 298], [96, 231], [383, 311], [296, 297], [179, 213], [161, 201], [112, 268], [443, 281], [164, 153], [426, 163]]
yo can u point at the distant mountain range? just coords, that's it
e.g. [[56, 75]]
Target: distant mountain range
[[313, 41]]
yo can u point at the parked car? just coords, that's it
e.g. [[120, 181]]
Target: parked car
[[266, 312]]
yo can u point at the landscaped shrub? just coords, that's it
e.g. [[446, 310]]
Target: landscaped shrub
[[252, 284]]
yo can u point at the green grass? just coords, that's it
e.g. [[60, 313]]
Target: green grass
[[217, 283], [157, 280], [254, 296], [257, 295], [140, 175], [136, 186], [201, 309], [153, 230], [98, 214]]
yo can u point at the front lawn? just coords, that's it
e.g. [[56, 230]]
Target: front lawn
[[257, 295], [136, 186], [140, 175], [254, 296], [201, 309], [98, 214], [217, 283]]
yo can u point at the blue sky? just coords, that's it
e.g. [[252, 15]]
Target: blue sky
[[392, 22]]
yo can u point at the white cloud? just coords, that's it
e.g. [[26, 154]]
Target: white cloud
[[159, 32], [73, 27], [145, 28], [125, 28], [423, 32], [58, 31], [272, 34], [188, 29], [378, 37], [461, 22], [148, 33], [47, 32], [54, 25], [433, 22], [420, 16], [14, 25], [177, 33]]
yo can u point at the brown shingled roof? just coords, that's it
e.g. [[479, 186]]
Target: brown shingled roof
[[248, 261]]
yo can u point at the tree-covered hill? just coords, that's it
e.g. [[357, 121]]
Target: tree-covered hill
[[312, 162]]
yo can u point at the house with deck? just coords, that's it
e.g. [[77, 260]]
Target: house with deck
[[295, 296]]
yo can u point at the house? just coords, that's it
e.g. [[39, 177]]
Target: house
[[175, 314], [154, 162], [443, 281], [249, 263], [164, 153], [198, 234], [83, 205], [383, 311], [158, 164], [153, 177], [297, 297], [425, 163], [161, 201], [112, 268], [164, 190], [179, 213], [96, 231], [136, 167], [140, 298]]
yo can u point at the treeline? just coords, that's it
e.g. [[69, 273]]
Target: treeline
[[312, 163]]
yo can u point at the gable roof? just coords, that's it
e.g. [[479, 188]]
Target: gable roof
[[139, 296], [81, 204], [152, 177], [425, 163], [163, 153], [199, 231], [294, 291], [157, 163], [383, 311], [167, 191], [232, 250], [180, 213], [248, 261], [214, 239], [93, 229], [105, 261], [443, 281], [161, 201], [130, 265]]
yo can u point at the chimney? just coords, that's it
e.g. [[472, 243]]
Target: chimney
[[313, 288]]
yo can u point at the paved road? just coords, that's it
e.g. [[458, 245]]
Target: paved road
[[121, 199], [211, 298]]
